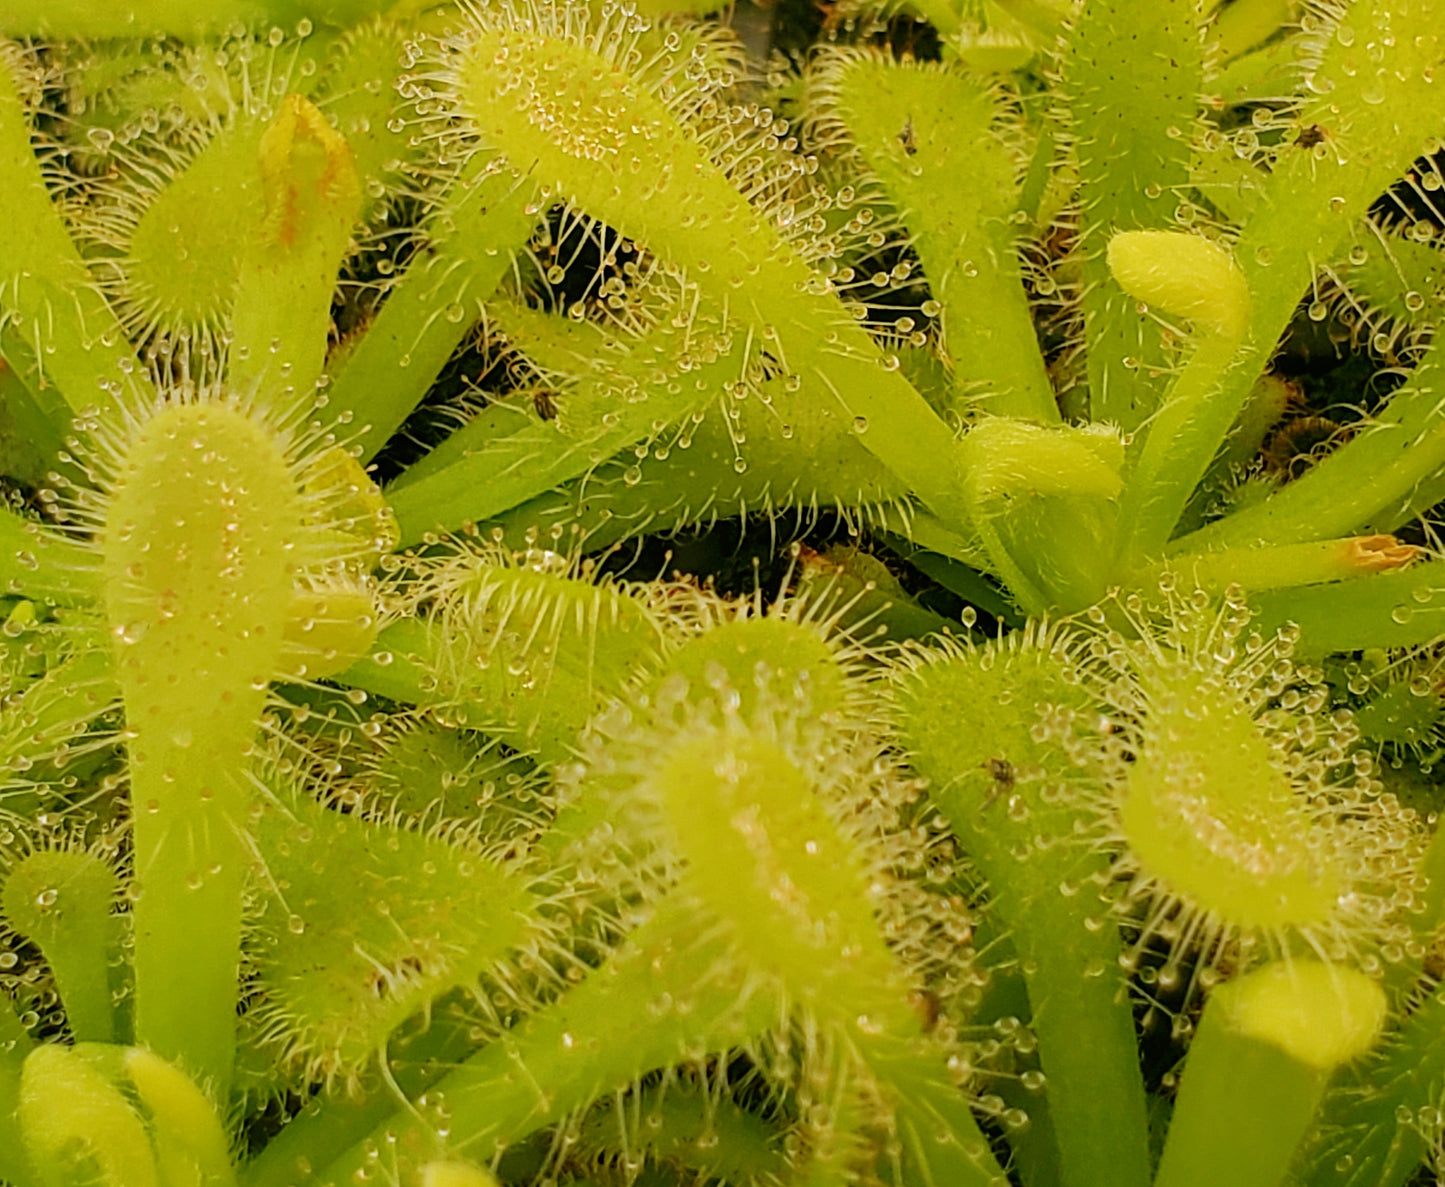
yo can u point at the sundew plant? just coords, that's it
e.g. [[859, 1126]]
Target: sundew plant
[[800, 596]]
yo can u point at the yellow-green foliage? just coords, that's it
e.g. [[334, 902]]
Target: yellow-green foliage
[[387, 800]]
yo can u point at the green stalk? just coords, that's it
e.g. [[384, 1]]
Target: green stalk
[[1258, 1068], [697, 482], [61, 330], [197, 555], [1087, 1046], [1404, 608], [506, 455], [929, 136], [1266, 406], [482, 221], [1196, 417], [61, 901], [1373, 480], [977, 592], [1282, 566]]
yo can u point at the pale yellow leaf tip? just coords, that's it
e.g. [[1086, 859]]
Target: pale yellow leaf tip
[[308, 172], [456, 1174], [1183, 275], [1322, 1015]]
